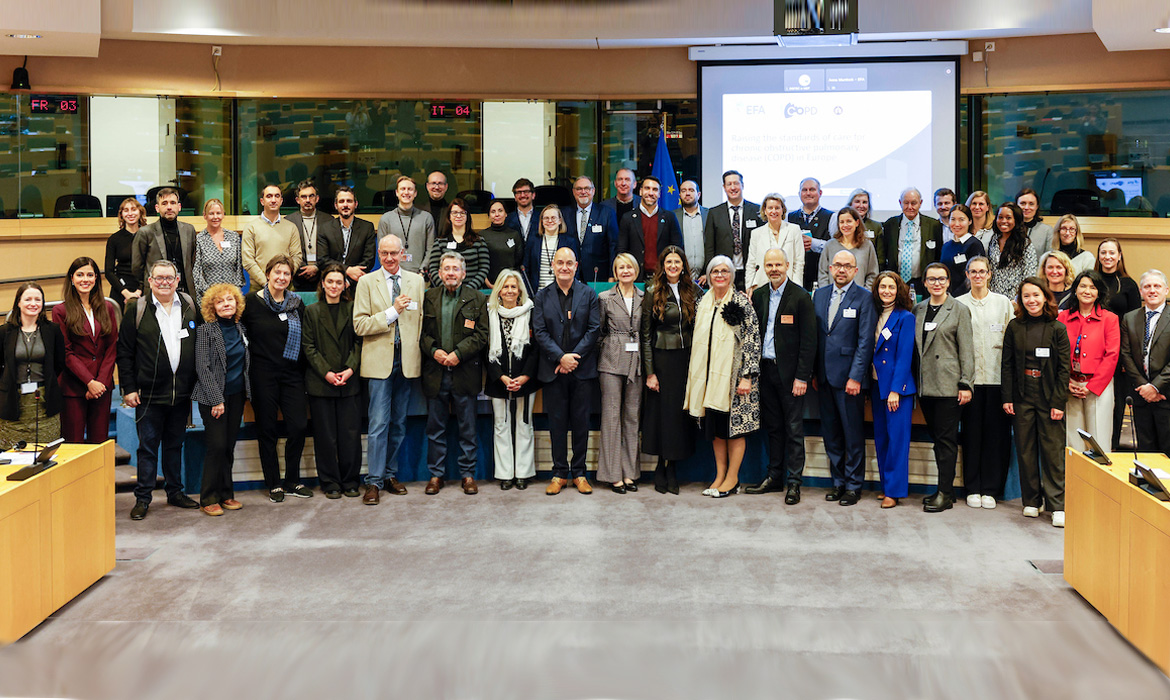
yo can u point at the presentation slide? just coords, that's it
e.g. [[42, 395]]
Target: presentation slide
[[880, 126]]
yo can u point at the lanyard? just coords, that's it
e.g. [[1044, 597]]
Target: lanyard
[[405, 227]]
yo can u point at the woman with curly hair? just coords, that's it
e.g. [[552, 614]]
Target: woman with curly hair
[[721, 386], [1011, 253]]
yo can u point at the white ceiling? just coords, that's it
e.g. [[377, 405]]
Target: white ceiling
[[75, 27]]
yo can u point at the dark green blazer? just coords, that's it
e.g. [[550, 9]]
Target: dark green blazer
[[469, 330], [330, 347]]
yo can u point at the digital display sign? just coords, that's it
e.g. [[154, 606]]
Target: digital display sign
[[53, 104], [450, 110]]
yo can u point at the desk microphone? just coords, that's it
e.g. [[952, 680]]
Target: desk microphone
[[37, 414], [1132, 426]]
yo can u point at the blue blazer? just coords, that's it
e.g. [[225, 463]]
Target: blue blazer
[[532, 252], [513, 222], [548, 327], [845, 352], [599, 247], [893, 356]]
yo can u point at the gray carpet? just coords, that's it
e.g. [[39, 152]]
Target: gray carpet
[[519, 595]]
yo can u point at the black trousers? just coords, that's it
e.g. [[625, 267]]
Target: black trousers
[[220, 435], [942, 419], [337, 440], [161, 429], [1039, 450], [783, 418], [986, 447], [567, 400], [1122, 388], [280, 390], [1152, 426]]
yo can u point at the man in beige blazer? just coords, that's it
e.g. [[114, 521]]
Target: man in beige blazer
[[387, 314]]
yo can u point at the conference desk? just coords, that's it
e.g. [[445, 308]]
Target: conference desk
[[56, 535], [1117, 549]]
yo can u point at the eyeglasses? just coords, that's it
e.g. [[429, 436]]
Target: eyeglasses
[[936, 280], [582, 189], [720, 273], [978, 273], [1068, 229], [520, 192], [460, 214], [843, 266], [165, 280]]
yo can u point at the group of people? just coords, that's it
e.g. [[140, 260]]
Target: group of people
[[744, 308]]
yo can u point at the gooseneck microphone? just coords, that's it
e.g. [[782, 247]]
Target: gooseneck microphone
[[1132, 426]]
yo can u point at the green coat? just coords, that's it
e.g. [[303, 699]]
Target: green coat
[[329, 348], [469, 331]]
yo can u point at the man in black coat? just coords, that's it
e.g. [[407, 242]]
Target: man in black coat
[[156, 368], [814, 218], [729, 226], [647, 230], [788, 324], [454, 332], [1145, 354], [348, 240], [309, 221]]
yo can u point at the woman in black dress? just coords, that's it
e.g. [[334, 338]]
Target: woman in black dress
[[505, 245], [1124, 296], [668, 320], [123, 283]]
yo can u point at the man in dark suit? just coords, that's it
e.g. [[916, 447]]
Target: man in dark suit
[[165, 239], [788, 323], [566, 323], [814, 218], [910, 241], [436, 201], [347, 240], [624, 199], [596, 230], [647, 230], [729, 226], [692, 219], [309, 222], [454, 332], [524, 219], [845, 336], [1145, 354]]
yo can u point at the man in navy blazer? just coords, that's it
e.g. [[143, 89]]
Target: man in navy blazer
[[648, 224], [597, 241], [525, 218], [846, 320], [566, 323], [624, 199]]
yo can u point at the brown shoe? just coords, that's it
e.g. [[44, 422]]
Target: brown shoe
[[213, 509], [469, 486], [396, 488], [434, 486], [371, 497], [555, 486], [583, 485], [231, 504]]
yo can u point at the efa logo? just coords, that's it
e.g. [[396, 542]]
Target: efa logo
[[793, 110]]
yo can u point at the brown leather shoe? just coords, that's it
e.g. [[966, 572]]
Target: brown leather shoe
[[434, 486], [555, 486], [371, 497], [396, 488], [583, 485], [469, 486], [213, 509], [231, 504]]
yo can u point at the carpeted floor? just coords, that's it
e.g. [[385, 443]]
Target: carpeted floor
[[519, 595]]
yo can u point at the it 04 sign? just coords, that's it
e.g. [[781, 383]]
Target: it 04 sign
[[450, 110], [53, 104]]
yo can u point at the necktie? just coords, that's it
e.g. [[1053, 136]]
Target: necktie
[[834, 304], [397, 293], [1149, 329], [906, 253], [581, 226], [735, 226]]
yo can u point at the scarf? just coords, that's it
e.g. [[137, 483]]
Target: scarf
[[292, 307], [522, 320]]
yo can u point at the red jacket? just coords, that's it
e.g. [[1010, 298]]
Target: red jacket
[[87, 358], [1100, 339]]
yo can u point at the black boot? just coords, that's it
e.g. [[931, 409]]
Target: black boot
[[660, 476], [671, 479]]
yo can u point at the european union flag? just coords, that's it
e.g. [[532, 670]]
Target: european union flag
[[664, 170]]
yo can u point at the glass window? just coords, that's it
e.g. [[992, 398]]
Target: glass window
[[630, 138], [43, 160], [576, 142], [203, 151]]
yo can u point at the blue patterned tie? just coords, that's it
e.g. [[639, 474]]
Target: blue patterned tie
[[906, 255]]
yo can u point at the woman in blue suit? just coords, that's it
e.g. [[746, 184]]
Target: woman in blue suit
[[540, 249], [893, 392]]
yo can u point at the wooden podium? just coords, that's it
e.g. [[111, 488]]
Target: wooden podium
[[56, 535], [1117, 549]]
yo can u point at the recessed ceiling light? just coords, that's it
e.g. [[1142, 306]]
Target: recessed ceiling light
[[25, 36]]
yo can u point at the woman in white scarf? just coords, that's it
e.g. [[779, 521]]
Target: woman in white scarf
[[511, 379]]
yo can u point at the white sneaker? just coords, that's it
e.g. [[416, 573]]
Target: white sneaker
[[1031, 512], [973, 500], [1058, 518], [988, 502]]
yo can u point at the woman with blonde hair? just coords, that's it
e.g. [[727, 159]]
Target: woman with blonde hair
[[1057, 271], [217, 253], [1068, 239], [511, 379], [222, 362], [620, 370], [982, 216], [777, 232]]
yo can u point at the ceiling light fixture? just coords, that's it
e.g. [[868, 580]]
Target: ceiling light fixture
[[25, 36]]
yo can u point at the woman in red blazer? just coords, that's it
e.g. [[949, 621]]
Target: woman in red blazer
[[91, 334], [1094, 338]]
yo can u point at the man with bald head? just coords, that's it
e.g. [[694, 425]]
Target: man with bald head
[[566, 325], [846, 320], [788, 323], [910, 241], [624, 200], [814, 219]]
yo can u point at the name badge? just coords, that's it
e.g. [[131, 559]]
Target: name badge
[[849, 313], [28, 387], [412, 306], [750, 223], [183, 334], [787, 319], [451, 245], [1043, 352], [311, 257], [868, 233], [929, 326], [887, 334], [997, 328], [468, 323], [511, 242], [282, 317], [596, 228], [570, 315], [407, 257], [960, 258], [930, 245], [225, 245], [631, 347]]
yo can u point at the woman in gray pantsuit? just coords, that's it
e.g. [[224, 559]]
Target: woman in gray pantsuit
[[619, 367]]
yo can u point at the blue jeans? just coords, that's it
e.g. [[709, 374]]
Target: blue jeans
[[389, 402], [160, 424], [439, 411]]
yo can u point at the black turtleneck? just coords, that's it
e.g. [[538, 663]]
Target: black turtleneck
[[174, 250], [505, 249]]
